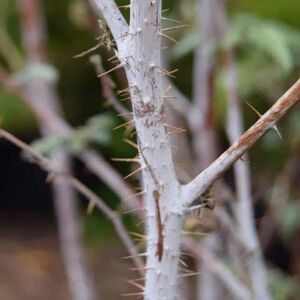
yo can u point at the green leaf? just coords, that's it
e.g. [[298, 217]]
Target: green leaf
[[98, 129], [283, 286], [45, 146], [187, 45]]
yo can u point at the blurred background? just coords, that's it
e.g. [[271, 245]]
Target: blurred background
[[265, 36]]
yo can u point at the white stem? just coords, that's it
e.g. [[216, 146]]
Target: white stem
[[159, 178]]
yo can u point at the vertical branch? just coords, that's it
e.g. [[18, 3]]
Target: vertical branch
[[202, 123], [203, 127], [142, 66], [43, 93], [243, 207]]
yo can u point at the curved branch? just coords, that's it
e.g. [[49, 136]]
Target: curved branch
[[205, 179]]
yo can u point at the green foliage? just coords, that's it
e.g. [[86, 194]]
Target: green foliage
[[4, 12], [97, 229], [97, 130], [188, 44], [284, 287], [287, 215], [78, 12], [14, 114], [36, 70], [264, 37], [267, 52], [47, 145]]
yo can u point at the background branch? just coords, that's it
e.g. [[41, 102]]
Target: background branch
[[242, 207], [55, 169], [43, 92]]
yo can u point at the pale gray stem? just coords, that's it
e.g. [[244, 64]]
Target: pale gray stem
[[34, 35], [203, 128], [209, 286], [243, 211], [237, 288], [201, 115], [70, 233], [161, 186]]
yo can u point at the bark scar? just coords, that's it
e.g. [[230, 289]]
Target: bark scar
[[156, 196], [160, 238]]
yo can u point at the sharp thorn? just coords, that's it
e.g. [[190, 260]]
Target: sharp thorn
[[135, 172], [111, 70]]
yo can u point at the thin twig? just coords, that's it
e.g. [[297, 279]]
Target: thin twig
[[107, 87], [92, 159], [54, 169]]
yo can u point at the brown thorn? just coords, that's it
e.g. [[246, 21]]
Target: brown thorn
[[50, 177], [171, 20], [183, 262], [135, 172], [170, 97], [174, 27], [125, 99], [124, 114], [132, 256], [174, 127], [131, 143], [135, 160], [111, 58], [111, 70], [132, 294], [124, 6], [195, 233], [139, 235], [260, 115], [87, 51], [140, 223], [136, 209], [123, 125], [168, 37], [90, 208], [190, 274], [139, 286], [139, 279]]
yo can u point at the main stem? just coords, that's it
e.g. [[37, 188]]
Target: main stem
[[163, 224]]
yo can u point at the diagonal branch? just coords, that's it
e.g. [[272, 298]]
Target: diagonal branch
[[54, 170], [205, 179], [237, 288], [40, 89], [93, 160]]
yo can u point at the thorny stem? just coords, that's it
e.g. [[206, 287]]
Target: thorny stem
[[133, 51], [206, 178]]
